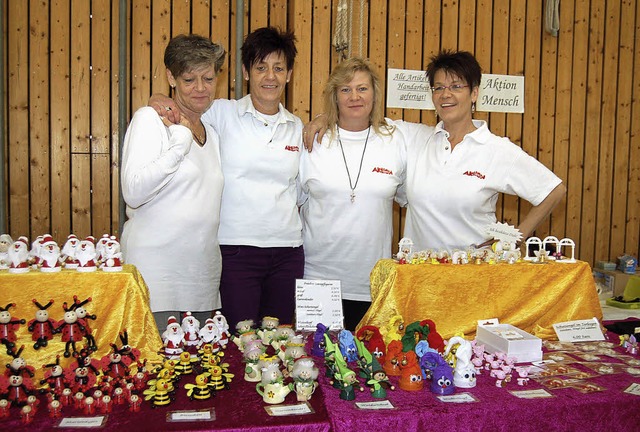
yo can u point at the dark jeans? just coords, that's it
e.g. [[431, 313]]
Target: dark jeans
[[258, 282], [353, 312]]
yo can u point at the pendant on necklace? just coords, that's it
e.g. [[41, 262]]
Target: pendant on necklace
[[353, 196]]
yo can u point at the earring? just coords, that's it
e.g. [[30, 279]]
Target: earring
[[473, 107]]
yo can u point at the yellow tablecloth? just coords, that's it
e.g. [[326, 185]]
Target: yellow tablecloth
[[120, 301], [530, 296]]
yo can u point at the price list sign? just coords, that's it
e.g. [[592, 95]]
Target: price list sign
[[318, 301]]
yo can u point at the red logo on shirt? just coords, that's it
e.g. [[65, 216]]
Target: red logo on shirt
[[474, 174], [292, 148], [382, 170]]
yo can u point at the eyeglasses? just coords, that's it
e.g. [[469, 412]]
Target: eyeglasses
[[453, 88]]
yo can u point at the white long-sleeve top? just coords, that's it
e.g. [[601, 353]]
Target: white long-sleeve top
[[172, 188]]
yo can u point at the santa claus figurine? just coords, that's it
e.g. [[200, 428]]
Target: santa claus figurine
[[49, 256], [191, 328], [221, 322], [173, 339], [111, 256], [5, 244], [86, 255], [100, 247], [34, 253], [18, 255], [210, 334], [68, 253]]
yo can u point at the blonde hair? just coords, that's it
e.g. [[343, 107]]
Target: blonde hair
[[343, 74]]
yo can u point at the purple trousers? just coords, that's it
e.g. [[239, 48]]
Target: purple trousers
[[258, 282]]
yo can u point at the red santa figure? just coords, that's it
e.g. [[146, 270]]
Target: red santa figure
[[221, 322], [49, 256], [41, 327], [5, 244], [86, 255], [111, 256], [68, 253], [100, 247], [9, 327], [191, 327], [18, 256], [173, 339], [210, 334], [72, 331], [34, 253]]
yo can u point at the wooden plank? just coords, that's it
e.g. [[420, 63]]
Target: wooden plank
[[532, 60], [180, 17], [563, 112], [449, 37], [80, 77], [594, 101], [115, 103], [220, 28], [100, 194], [622, 140], [378, 37], [60, 120], [467, 26], [140, 54], [18, 118], [607, 108], [431, 45], [200, 13], [413, 49], [81, 194], [482, 52], [100, 76], [278, 13], [498, 65], [258, 14], [517, 11], [546, 112], [160, 36], [633, 207], [39, 172], [578, 122], [320, 53], [299, 88], [395, 46]]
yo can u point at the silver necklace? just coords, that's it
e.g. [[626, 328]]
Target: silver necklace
[[353, 186]]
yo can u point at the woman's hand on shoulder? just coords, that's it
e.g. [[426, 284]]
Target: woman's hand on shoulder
[[316, 127], [165, 107]]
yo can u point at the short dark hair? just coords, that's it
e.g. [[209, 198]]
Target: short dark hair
[[260, 43], [460, 63], [187, 52]]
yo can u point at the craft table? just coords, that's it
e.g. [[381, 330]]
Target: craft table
[[530, 296], [120, 300]]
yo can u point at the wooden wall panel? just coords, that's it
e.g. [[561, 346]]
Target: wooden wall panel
[[582, 103]]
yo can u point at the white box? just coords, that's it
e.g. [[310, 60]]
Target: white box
[[511, 340]]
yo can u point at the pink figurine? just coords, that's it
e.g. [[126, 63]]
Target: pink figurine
[[41, 327], [9, 327], [523, 375]]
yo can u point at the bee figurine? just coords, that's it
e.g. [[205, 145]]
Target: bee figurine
[[219, 379], [184, 365], [201, 390], [158, 393]]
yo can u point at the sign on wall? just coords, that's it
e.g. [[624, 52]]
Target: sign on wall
[[497, 93]]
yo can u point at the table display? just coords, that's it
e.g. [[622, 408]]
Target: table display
[[529, 296], [106, 302]]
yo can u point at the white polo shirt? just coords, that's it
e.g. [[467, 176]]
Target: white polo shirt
[[342, 239], [260, 158], [452, 195]]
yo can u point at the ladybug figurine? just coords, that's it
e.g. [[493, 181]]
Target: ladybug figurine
[[72, 330], [9, 327], [83, 319], [41, 327]]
